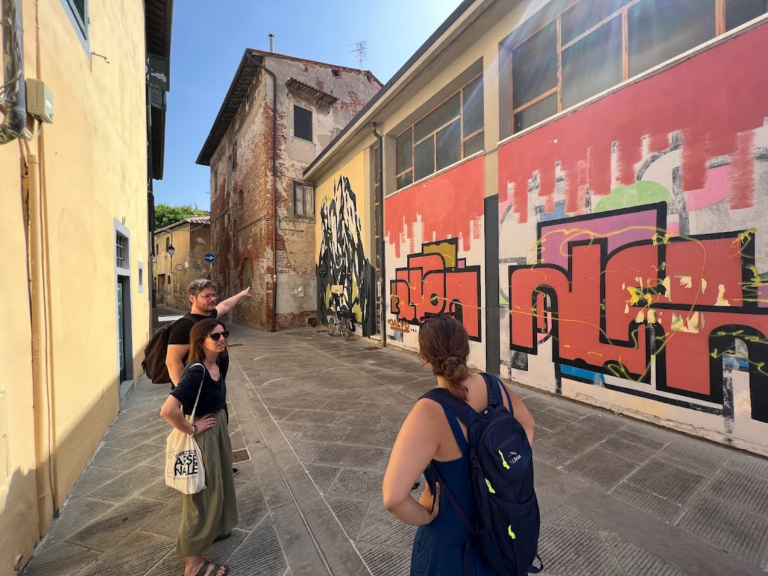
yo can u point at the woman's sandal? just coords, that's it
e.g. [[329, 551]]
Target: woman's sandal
[[222, 537], [214, 572]]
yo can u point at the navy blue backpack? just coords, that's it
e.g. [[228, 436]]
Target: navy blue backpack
[[501, 468]]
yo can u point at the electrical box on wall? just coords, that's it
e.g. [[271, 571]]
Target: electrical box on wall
[[39, 100]]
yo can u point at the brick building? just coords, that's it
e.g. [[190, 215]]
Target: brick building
[[253, 236]]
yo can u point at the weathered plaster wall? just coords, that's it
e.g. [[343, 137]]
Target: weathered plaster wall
[[242, 229], [93, 169], [240, 224], [633, 248]]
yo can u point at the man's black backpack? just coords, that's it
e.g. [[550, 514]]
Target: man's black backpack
[[156, 351], [501, 470]]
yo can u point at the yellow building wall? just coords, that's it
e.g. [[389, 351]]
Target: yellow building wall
[[173, 293], [191, 242], [92, 172], [343, 202]]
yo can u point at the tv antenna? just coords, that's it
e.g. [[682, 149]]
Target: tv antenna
[[361, 48]]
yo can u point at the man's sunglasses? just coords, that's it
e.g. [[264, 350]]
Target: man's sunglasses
[[216, 335], [427, 317]]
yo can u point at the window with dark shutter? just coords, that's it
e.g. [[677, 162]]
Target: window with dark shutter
[[302, 123], [80, 11]]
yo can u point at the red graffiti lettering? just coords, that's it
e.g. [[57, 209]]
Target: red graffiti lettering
[[623, 302], [437, 281]]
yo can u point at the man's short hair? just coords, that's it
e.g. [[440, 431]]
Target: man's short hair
[[197, 286]]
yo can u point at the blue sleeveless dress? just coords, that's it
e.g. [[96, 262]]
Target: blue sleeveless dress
[[439, 547]]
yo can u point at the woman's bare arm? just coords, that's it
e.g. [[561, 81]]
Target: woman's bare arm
[[414, 449], [172, 413]]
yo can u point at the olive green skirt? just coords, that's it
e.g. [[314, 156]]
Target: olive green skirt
[[213, 511]]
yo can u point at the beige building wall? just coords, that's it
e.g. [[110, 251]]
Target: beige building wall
[[191, 243], [91, 180]]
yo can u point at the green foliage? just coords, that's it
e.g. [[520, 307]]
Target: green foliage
[[165, 214]]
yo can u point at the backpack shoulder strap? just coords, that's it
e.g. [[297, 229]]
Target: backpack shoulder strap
[[168, 327], [458, 408], [494, 393], [495, 386]]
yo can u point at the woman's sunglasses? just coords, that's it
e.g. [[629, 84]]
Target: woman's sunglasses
[[216, 335], [428, 317]]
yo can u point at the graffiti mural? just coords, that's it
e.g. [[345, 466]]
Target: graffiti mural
[[632, 248], [619, 296], [342, 261], [435, 252], [437, 280]]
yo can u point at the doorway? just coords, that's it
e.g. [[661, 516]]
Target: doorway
[[161, 289], [123, 308], [122, 353]]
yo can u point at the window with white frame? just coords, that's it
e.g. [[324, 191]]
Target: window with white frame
[[121, 251]]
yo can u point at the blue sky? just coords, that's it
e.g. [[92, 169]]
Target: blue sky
[[208, 44]]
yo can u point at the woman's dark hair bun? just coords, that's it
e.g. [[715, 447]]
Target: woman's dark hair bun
[[454, 369], [444, 343]]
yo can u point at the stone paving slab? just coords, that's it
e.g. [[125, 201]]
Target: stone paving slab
[[108, 530], [318, 417], [136, 554], [62, 559], [653, 504]]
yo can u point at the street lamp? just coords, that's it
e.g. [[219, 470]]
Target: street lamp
[[171, 250]]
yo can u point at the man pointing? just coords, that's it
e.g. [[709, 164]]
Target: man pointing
[[202, 296]]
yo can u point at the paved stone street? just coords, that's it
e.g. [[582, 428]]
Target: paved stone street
[[318, 416]]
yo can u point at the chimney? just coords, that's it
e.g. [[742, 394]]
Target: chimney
[[271, 42]]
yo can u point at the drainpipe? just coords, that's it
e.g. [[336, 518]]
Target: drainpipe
[[13, 69], [382, 243], [274, 186], [46, 493]]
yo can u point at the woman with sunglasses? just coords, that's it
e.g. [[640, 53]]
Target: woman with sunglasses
[[433, 435], [211, 514]]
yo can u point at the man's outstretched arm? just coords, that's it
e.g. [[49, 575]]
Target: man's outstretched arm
[[227, 305]]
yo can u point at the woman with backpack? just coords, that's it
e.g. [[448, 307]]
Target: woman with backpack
[[210, 514], [435, 442]]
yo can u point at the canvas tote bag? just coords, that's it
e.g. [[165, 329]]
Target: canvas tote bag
[[184, 468]]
